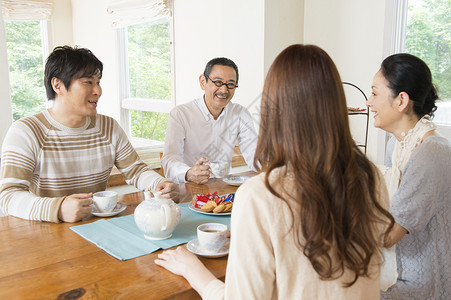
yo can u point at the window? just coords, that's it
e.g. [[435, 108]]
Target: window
[[147, 95], [428, 36], [25, 40]]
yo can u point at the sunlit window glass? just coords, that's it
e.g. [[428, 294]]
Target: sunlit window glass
[[149, 60], [24, 48], [149, 125], [149, 76], [428, 36]]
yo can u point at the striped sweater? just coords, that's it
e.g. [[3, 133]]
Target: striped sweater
[[43, 161]]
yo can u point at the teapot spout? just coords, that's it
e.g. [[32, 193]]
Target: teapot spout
[[147, 195]]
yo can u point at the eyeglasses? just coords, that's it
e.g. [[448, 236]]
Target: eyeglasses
[[219, 83]]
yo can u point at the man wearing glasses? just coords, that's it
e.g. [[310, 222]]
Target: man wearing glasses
[[206, 129]]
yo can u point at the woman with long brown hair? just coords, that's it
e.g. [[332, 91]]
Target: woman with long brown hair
[[310, 225]]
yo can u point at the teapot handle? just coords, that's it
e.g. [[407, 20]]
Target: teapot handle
[[167, 214]]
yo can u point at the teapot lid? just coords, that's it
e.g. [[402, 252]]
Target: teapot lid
[[156, 200], [147, 195]]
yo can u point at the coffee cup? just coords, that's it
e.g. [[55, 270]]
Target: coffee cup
[[219, 168], [104, 201], [212, 236]]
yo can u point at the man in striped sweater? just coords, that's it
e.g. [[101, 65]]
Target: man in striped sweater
[[53, 161]]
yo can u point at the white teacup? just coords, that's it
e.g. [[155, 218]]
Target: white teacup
[[105, 201], [212, 236], [219, 168]]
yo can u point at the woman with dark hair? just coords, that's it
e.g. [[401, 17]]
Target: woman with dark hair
[[311, 224], [418, 180]]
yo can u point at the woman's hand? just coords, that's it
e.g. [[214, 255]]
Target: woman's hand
[[178, 261], [395, 235], [182, 262]]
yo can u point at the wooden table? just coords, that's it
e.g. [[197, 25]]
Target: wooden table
[[40, 260]]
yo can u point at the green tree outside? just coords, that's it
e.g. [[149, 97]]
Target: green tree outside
[[149, 60], [23, 40], [429, 37]]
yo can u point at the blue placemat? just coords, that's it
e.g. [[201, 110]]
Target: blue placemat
[[121, 238]]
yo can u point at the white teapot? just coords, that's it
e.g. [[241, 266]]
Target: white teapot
[[157, 217]]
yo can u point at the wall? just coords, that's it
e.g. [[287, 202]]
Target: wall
[[61, 32], [248, 32], [5, 95], [352, 33], [92, 29], [284, 26], [208, 29]]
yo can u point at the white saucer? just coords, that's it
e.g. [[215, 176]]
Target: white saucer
[[193, 247], [235, 180], [118, 209]]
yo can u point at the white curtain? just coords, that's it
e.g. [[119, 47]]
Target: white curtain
[[5, 95], [27, 9], [130, 12]]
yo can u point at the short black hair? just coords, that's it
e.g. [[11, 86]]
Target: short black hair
[[222, 61], [67, 63], [407, 73]]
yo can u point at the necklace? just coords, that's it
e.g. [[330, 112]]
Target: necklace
[[413, 138]]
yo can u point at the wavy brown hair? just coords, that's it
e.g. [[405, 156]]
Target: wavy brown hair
[[304, 125]]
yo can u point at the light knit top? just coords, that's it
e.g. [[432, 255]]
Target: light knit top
[[264, 261], [43, 161], [422, 205]]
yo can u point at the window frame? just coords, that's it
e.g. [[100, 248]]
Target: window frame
[[128, 103], [46, 39]]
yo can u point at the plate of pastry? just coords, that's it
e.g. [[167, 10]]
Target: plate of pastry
[[212, 204]]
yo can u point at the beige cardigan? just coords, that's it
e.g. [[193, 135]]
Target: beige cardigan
[[264, 262]]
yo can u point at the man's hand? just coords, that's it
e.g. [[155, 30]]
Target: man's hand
[[200, 172], [75, 207], [169, 190]]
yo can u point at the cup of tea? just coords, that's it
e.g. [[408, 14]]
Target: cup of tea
[[212, 236], [219, 169], [104, 201]]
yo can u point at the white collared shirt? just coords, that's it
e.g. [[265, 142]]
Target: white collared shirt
[[193, 132]]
